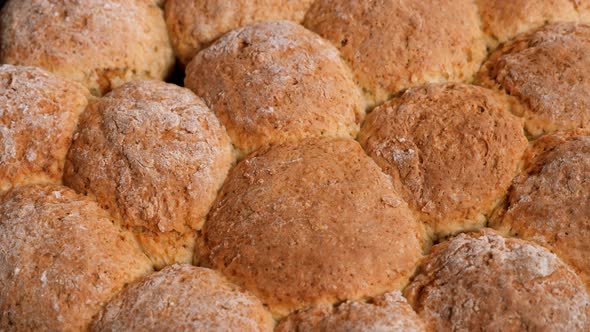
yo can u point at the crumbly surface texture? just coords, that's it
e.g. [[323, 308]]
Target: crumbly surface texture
[[313, 222], [38, 116], [99, 43], [550, 201], [392, 45], [547, 71], [452, 150], [61, 259], [155, 156], [275, 81], [485, 282], [387, 312], [183, 298], [194, 24]]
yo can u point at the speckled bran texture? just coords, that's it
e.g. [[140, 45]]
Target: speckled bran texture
[[275, 81], [184, 298], [154, 155], [99, 43], [547, 70], [38, 116], [392, 45], [194, 24], [452, 150], [61, 259], [550, 201], [309, 223], [484, 282], [387, 312]]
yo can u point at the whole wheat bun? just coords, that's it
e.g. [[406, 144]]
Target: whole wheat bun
[[452, 150], [484, 282], [387, 312], [194, 24], [549, 202], [547, 71], [38, 116], [98, 43], [154, 156], [183, 298], [308, 223], [392, 45], [275, 81], [61, 259]]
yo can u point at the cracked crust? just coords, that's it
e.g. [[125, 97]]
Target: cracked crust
[[312, 222], [194, 24], [98, 43], [154, 155], [279, 82], [38, 116], [452, 150], [549, 202], [392, 45], [183, 298], [387, 312], [547, 71], [484, 282], [61, 259]]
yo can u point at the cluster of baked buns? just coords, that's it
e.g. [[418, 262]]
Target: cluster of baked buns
[[330, 165]]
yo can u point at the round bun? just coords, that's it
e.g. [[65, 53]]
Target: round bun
[[547, 71], [452, 150], [183, 298], [550, 201], [275, 81], [61, 259], [484, 282], [99, 43], [155, 156], [388, 312], [39, 112], [502, 20], [314, 222], [194, 24], [392, 45]]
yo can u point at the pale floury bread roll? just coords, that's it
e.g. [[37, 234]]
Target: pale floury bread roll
[[452, 150], [392, 45], [550, 201], [311, 222], [183, 298], [547, 71], [275, 81], [154, 156], [484, 282], [387, 312], [38, 112], [194, 24], [61, 259], [98, 43]]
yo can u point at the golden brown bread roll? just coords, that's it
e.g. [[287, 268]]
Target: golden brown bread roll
[[183, 298], [61, 259], [38, 116], [154, 155], [549, 202], [194, 24], [547, 71], [484, 282], [99, 43], [392, 45], [313, 222], [387, 312], [452, 150], [275, 81]]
